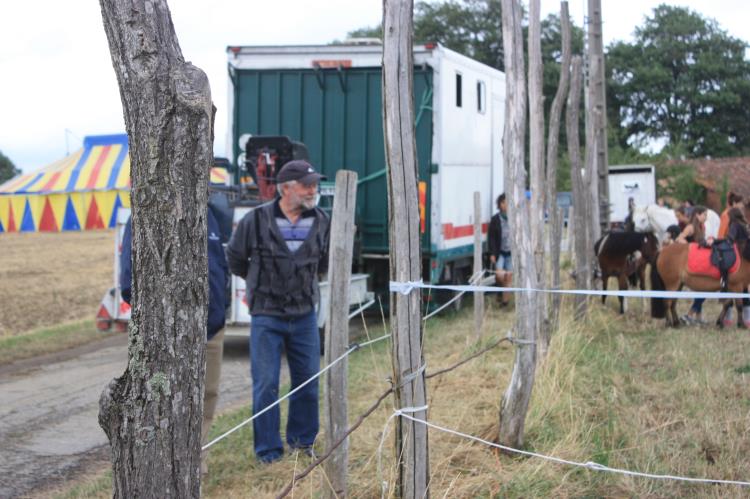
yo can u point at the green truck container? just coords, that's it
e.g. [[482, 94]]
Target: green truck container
[[329, 98]]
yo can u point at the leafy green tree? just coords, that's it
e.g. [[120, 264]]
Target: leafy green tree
[[470, 27], [683, 80], [7, 169]]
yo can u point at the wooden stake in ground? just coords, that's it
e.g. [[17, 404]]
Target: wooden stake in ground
[[536, 157], [515, 402], [405, 254], [596, 118], [478, 295], [580, 188], [152, 413], [337, 328], [550, 322]]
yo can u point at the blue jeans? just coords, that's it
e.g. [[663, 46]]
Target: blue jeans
[[504, 262], [697, 306], [299, 337]]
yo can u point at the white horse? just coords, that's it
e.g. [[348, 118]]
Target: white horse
[[656, 219]]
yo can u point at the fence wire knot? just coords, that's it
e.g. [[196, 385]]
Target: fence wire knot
[[406, 287], [595, 466], [408, 378], [410, 410], [519, 341]]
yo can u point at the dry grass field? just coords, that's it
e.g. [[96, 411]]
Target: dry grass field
[[618, 390], [52, 278]]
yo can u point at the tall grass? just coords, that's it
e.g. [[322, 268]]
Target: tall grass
[[621, 391]]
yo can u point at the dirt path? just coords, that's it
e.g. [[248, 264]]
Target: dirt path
[[48, 411]]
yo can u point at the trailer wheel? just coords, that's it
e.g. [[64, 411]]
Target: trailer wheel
[[459, 277]]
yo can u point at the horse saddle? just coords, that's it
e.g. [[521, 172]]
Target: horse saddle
[[722, 258]]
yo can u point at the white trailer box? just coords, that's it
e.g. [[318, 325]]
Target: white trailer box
[[329, 98], [630, 181]]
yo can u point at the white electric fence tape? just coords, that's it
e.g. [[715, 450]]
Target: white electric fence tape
[[409, 286]]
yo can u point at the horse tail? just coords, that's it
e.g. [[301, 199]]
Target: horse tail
[[658, 310]]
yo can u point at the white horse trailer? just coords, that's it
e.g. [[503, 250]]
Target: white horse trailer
[[636, 182], [328, 97]]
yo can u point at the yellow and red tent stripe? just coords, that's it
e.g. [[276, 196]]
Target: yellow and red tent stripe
[[81, 191]]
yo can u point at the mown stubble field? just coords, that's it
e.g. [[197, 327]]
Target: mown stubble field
[[52, 278]]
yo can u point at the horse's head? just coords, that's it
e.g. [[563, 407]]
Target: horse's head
[[649, 247], [641, 221]]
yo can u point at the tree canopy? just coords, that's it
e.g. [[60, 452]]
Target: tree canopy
[[683, 81], [7, 169]]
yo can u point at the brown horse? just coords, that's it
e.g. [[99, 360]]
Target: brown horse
[[617, 255], [670, 273]]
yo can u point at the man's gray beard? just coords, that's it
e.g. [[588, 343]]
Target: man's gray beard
[[309, 205]]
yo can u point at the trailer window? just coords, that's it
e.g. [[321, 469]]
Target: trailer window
[[458, 90], [481, 92]]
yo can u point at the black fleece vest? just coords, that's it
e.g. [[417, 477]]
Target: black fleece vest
[[282, 282]]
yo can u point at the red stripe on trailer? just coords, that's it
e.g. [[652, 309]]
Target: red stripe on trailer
[[454, 232]]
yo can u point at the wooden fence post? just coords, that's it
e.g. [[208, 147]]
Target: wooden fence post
[[405, 254], [550, 322], [580, 189], [478, 295], [516, 399], [337, 328]]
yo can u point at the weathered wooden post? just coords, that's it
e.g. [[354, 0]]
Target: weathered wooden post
[[580, 183], [555, 216], [537, 203], [596, 119], [152, 413], [515, 401], [478, 295], [405, 254], [340, 253]]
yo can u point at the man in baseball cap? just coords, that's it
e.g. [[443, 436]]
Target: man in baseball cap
[[299, 170], [282, 291]]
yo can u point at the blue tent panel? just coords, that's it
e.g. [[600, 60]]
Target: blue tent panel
[[2, 229], [113, 218], [71, 219], [27, 224]]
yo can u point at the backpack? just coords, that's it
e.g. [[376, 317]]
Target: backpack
[[723, 257]]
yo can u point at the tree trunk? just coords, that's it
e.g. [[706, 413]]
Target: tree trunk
[[152, 413], [337, 329], [580, 187], [536, 156], [515, 401], [405, 254], [555, 216]]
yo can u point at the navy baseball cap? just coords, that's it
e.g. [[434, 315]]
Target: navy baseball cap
[[299, 170]]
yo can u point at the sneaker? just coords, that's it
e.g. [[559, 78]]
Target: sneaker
[[308, 451], [687, 320], [269, 458]]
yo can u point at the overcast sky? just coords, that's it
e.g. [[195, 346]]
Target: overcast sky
[[57, 83]]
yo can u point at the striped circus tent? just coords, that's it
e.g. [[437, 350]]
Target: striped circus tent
[[79, 192]]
